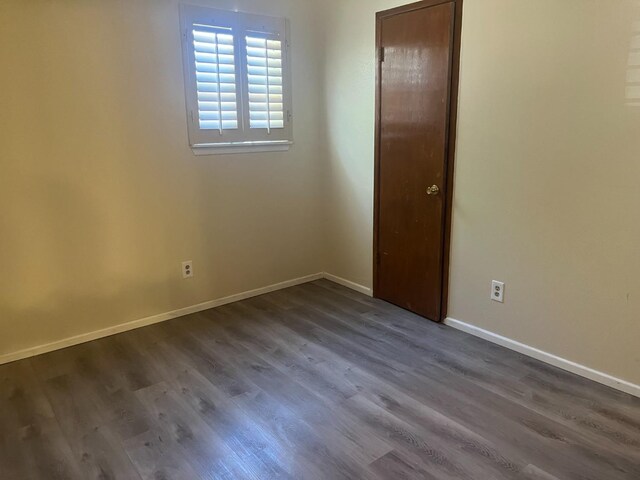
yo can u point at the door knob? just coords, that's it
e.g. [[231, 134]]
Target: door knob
[[433, 190]]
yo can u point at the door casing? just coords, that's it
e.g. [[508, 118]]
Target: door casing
[[452, 115]]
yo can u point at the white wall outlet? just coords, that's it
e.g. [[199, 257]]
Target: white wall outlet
[[187, 269], [497, 291]]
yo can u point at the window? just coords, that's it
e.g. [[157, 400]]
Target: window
[[237, 81]]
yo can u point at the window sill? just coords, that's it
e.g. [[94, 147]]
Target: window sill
[[241, 147]]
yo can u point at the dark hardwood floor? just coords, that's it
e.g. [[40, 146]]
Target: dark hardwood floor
[[313, 382]]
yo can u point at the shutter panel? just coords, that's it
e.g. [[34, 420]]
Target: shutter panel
[[264, 77], [215, 78]]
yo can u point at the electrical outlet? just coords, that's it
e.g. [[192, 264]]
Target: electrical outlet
[[497, 291], [187, 269]]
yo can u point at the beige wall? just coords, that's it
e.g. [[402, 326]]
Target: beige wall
[[102, 198], [548, 168]]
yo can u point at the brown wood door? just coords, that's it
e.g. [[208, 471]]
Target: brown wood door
[[414, 82]]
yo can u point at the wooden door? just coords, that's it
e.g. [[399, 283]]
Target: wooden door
[[416, 47]]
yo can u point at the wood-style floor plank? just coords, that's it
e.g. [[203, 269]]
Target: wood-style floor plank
[[315, 382]]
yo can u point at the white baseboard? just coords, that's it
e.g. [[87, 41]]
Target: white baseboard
[[545, 357], [349, 284], [549, 358], [124, 327], [163, 317]]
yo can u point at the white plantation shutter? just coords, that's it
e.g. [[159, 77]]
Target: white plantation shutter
[[214, 54], [264, 76], [237, 79]]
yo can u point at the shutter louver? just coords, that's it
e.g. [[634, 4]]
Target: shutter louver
[[215, 78], [264, 76]]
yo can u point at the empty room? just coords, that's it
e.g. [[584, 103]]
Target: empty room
[[320, 239]]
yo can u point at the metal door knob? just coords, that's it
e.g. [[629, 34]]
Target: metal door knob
[[433, 190]]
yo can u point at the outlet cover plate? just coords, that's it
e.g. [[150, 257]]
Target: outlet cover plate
[[187, 269], [497, 291]]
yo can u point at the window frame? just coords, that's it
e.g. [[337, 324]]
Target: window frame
[[244, 139]]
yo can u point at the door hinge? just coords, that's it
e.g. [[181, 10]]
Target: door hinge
[[381, 54]]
